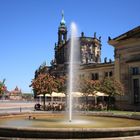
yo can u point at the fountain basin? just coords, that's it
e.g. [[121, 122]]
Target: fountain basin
[[88, 126]]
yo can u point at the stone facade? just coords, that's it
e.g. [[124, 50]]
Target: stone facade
[[97, 71], [127, 65]]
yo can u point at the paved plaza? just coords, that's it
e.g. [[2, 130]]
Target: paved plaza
[[9, 107]]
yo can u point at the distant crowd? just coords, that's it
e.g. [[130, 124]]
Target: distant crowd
[[80, 107], [51, 107]]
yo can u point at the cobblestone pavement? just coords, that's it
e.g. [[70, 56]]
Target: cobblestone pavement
[[118, 138]]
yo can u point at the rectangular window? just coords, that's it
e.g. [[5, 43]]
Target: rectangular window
[[92, 76], [106, 74], [135, 70], [95, 76], [136, 91], [110, 74]]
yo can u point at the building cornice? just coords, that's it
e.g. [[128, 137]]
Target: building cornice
[[96, 65], [131, 35]]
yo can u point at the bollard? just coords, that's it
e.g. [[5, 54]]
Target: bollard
[[20, 109]]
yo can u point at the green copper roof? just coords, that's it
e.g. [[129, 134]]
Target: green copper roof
[[62, 20]]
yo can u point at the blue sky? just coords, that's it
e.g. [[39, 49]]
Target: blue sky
[[28, 31]]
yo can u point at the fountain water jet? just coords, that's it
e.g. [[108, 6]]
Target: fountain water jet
[[73, 67]]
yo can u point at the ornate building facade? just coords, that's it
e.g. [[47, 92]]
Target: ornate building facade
[[89, 48], [125, 69]]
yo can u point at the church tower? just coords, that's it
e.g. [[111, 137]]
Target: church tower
[[62, 38], [62, 31], [90, 47]]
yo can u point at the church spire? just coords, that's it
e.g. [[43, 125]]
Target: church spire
[[62, 20]]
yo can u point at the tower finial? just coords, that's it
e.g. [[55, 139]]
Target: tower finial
[[62, 20], [62, 13]]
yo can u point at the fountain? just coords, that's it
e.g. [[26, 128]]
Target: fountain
[[55, 125], [73, 68]]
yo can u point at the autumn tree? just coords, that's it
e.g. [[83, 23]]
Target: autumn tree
[[44, 84], [41, 70], [88, 87], [62, 84], [111, 87], [2, 87]]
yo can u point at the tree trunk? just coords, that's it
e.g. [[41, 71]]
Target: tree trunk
[[44, 102], [86, 107], [86, 100], [108, 103], [66, 101]]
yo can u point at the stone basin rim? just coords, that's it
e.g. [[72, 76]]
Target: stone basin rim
[[69, 133], [72, 129]]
